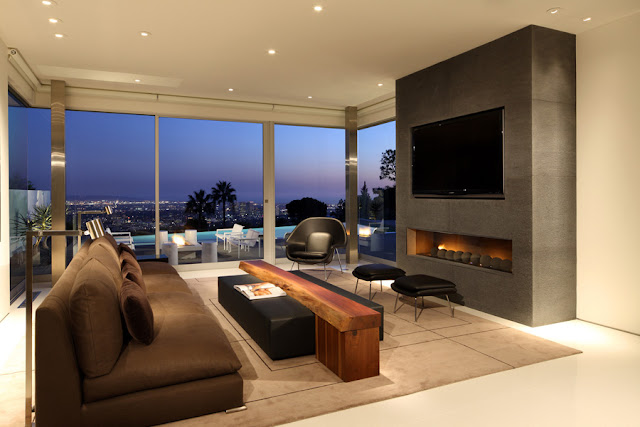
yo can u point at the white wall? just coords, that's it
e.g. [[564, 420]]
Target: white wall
[[608, 174], [4, 184]]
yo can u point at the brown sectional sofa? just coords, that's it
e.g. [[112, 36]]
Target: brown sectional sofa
[[90, 372]]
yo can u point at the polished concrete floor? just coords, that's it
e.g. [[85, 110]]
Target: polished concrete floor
[[600, 387]]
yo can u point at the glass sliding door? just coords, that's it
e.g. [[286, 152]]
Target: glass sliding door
[[111, 162], [211, 206], [377, 191], [309, 176], [29, 189]]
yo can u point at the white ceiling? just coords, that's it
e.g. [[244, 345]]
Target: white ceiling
[[203, 47]]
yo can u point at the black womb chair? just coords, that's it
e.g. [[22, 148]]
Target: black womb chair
[[315, 240]]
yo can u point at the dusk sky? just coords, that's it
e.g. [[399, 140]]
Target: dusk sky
[[113, 155]]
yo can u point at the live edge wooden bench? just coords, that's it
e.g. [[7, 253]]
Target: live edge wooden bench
[[347, 333]]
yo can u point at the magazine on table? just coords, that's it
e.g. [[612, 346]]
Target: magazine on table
[[260, 291]]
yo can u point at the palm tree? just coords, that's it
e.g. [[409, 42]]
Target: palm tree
[[200, 204], [223, 193]]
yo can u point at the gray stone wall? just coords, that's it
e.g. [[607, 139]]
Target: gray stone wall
[[532, 74]]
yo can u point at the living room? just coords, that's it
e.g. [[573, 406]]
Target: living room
[[569, 93]]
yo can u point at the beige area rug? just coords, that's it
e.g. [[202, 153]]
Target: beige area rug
[[414, 356]]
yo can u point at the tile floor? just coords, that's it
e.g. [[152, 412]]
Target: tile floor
[[600, 387]]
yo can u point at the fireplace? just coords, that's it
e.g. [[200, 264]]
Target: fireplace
[[476, 251]]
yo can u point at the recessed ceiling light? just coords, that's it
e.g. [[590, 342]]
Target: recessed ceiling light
[[587, 19], [54, 20], [230, 89], [379, 84], [59, 36], [271, 52], [145, 33], [48, 2], [310, 97], [137, 80], [553, 10], [317, 8]]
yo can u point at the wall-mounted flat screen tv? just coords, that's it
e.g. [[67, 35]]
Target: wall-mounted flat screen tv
[[460, 157]]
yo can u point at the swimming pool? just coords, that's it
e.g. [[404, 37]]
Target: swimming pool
[[208, 236]]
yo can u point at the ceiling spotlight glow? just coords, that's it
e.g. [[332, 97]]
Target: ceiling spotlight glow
[[145, 33], [48, 2], [54, 20], [379, 84], [553, 10], [587, 19], [59, 36], [137, 80], [271, 52], [317, 8], [230, 89], [310, 97]]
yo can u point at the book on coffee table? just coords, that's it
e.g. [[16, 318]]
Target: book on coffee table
[[260, 291]]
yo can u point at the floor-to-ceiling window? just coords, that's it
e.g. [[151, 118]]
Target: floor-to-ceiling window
[[29, 189], [377, 191], [111, 162], [211, 181], [309, 176]]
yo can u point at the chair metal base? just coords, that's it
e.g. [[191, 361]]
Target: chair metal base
[[370, 283], [415, 305], [324, 266]]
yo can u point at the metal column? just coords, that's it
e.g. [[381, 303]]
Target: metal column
[[58, 180], [269, 190], [157, 184], [351, 170]]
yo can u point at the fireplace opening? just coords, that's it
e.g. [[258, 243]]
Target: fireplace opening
[[482, 252]]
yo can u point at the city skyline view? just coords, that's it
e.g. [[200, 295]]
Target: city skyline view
[[107, 152]]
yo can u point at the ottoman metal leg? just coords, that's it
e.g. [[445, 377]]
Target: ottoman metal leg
[[415, 308], [394, 305], [450, 306], [357, 281]]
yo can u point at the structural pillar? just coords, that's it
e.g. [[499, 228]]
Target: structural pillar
[[157, 185], [269, 190], [58, 180], [351, 170]]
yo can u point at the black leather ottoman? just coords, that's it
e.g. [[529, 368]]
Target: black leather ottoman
[[371, 272], [421, 285], [282, 326]]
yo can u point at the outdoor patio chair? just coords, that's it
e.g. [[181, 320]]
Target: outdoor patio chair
[[245, 241]]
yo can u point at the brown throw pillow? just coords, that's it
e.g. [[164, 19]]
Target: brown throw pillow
[[133, 272], [137, 312], [125, 248], [127, 257]]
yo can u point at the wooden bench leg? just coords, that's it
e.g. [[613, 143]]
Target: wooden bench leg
[[351, 355]]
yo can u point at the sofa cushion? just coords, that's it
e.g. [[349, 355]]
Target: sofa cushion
[[102, 251], [186, 347], [108, 243], [109, 238], [164, 303], [133, 273], [136, 311], [156, 267], [166, 283], [95, 319]]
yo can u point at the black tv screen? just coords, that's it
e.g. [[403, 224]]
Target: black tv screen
[[459, 157]]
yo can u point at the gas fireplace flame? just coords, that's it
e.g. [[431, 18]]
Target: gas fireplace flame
[[440, 247], [179, 240]]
